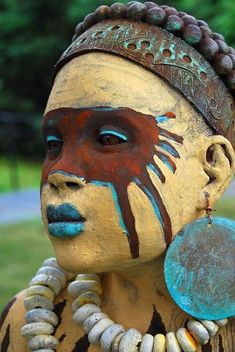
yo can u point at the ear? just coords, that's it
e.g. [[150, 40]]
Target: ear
[[219, 165]]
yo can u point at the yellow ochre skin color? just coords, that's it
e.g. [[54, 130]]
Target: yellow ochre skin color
[[134, 292]]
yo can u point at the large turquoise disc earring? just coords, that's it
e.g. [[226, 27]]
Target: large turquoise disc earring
[[200, 268]]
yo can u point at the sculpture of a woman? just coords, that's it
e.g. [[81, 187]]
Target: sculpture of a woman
[[140, 137]]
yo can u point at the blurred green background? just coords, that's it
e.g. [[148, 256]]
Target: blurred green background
[[33, 35]]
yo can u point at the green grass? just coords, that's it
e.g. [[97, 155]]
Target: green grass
[[27, 173], [24, 246]]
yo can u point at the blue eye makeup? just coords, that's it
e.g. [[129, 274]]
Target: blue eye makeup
[[110, 137], [113, 133], [53, 139], [54, 144]]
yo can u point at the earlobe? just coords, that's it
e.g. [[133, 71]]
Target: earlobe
[[219, 165]]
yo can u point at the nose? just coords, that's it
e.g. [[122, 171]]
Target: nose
[[59, 180]]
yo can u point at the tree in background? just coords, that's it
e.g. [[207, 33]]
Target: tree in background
[[35, 33]]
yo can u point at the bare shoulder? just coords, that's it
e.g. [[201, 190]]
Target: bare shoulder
[[11, 321]]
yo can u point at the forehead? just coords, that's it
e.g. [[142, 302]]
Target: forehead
[[98, 79]]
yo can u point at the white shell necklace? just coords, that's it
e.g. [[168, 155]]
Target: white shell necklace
[[41, 321]]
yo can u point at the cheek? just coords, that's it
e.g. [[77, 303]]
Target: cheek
[[151, 237]]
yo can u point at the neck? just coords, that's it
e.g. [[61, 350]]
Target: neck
[[138, 298]]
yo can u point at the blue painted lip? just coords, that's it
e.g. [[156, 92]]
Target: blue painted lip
[[64, 221], [65, 229]]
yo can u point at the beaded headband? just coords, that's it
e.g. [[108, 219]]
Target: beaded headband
[[164, 54]]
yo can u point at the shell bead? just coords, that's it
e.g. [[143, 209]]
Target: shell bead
[[89, 277], [116, 342], [210, 326], [101, 13], [48, 270], [42, 342], [131, 3], [52, 261], [208, 48], [189, 20], [130, 341], [192, 34], [202, 23], [45, 350], [84, 312], [84, 298], [147, 343], [223, 64], [38, 302], [186, 340], [117, 10], [174, 23], [90, 322], [109, 335], [181, 13], [171, 11], [206, 32], [223, 47], [155, 15], [78, 287], [41, 315], [136, 11], [96, 332], [33, 329], [150, 4], [232, 50], [218, 36], [231, 80], [79, 29], [41, 291], [172, 345], [89, 21], [232, 57], [221, 322], [47, 280], [159, 344], [198, 331]]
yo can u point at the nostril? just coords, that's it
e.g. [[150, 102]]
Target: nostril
[[53, 186], [72, 185]]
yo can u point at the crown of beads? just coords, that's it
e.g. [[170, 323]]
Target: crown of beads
[[196, 33], [171, 44]]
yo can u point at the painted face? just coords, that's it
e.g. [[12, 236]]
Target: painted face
[[108, 171], [112, 148]]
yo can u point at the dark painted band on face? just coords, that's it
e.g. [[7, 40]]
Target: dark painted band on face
[[114, 166]]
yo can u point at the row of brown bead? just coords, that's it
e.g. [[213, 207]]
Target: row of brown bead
[[196, 33]]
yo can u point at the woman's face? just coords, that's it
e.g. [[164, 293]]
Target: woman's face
[[121, 175]]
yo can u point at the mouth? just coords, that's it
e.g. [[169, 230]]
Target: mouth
[[64, 221]]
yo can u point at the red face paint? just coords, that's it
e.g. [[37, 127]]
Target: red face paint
[[82, 132]]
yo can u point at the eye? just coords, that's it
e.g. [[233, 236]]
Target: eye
[[110, 137], [54, 144]]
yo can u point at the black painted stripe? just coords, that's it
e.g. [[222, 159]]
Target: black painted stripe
[[221, 347], [62, 337], [6, 311], [207, 347], [6, 340], [156, 326], [58, 310], [82, 344]]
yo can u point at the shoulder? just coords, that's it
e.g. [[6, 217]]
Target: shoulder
[[11, 321]]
